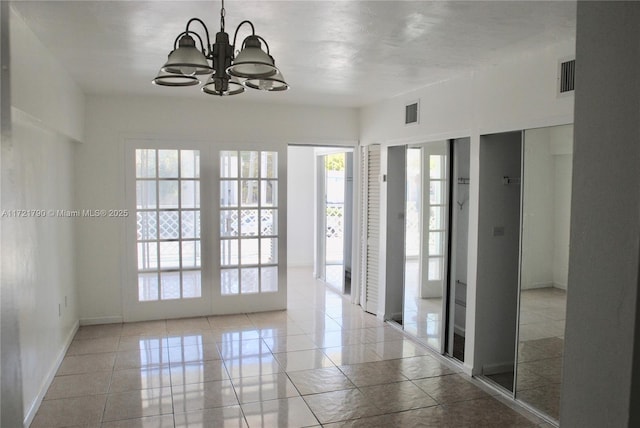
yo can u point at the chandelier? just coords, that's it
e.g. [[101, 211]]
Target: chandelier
[[252, 67]]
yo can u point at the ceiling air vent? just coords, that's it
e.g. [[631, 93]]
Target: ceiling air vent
[[411, 113], [567, 78]]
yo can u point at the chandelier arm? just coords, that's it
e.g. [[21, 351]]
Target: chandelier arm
[[253, 31], [206, 31]]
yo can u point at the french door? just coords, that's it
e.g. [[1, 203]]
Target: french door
[[206, 232]]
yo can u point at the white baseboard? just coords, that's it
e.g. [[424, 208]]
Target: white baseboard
[[560, 286], [33, 409], [116, 319], [538, 285]]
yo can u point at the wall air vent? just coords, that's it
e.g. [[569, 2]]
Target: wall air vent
[[411, 113], [567, 77]]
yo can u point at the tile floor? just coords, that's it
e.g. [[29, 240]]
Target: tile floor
[[323, 362], [540, 352]]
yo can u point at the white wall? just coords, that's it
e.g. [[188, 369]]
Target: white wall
[[537, 210], [300, 206], [38, 174], [218, 121], [498, 253], [546, 207]]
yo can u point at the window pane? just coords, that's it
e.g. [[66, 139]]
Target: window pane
[[249, 223], [168, 163], [435, 166], [436, 218], [169, 285], [436, 240], [269, 193], [189, 229], [191, 286], [249, 193], [147, 286], [249, 280], [435, 269], [249, 164], [269, 279], [147, 255], [168, 194], [191, 254], [169, 225], [146, 225], [145, 194], [228, 164], [229, 281], [269, 166], [169, 255], [249, 252], [228, 223], [229, 252], [268, 222], [228, 193], [190, 193], [268, 250], [145, 163], [435, 192], [190, 163]]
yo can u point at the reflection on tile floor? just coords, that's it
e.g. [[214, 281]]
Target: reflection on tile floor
[[540, 349], [322, 362]]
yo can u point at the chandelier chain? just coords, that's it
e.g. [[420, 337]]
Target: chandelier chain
[[223, 13]]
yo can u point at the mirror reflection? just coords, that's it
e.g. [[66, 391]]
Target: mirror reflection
[[546, 209], [426, 236]]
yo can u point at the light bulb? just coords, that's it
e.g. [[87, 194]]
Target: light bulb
[[265, 85], [188, 71]]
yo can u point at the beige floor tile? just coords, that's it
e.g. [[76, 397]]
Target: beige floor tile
[[396, 397], [205, 371], [338, 406], [153, 357], [206, 395], [164, 421], [94, 346], [428, 417], [134, 343], [77, 411], [79, 385], [393, 349], [485, 412], [300, 342], [188, 325], [320, 380], [261, 388], [303, 360], [421, 367], [194, 353], [235, 334], [225, 321], [98, 331], [190, 339], [138, 404], [89, 363], [283, 413], [145, 328], [141, 378], [352, 354], [450, 388], [375, 373], [241, 348], [220, 417], [256, 365]]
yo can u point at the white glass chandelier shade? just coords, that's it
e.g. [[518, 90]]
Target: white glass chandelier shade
[[168, 79], [271, 83], [187, 60], [234, 87], [252, 61]]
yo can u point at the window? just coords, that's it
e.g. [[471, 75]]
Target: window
[[248, 222], [168, 224], [437, 216]]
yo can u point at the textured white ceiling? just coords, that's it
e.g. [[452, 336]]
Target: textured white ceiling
[[343, 53]]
